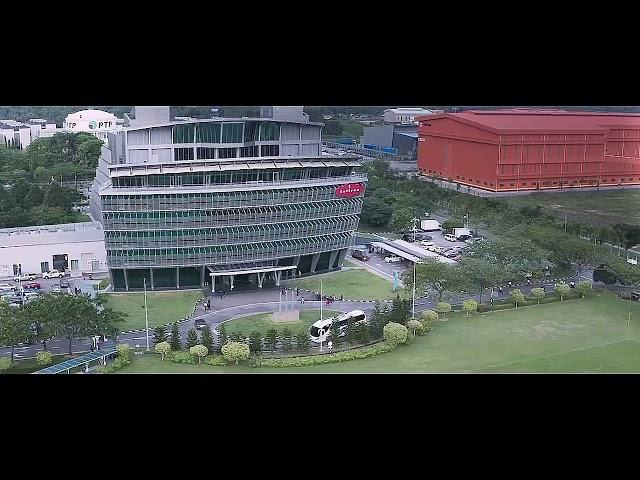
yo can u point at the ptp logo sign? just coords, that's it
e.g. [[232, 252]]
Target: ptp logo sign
[[349, 190]]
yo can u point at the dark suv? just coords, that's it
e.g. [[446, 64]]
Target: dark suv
[[200, 324], [360, 255]]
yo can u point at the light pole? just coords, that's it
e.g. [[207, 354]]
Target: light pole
[[146, 312], [413, 307], [321, 328]]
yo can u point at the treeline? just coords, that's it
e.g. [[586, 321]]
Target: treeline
[[22, 204], [65, 155]]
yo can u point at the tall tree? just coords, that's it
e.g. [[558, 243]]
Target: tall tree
[[14, 327], [34, 198], [481, 273], [206, 338], [20, 190], [159, 334], [192, 338], [435, 280], [56, 196], [175, 338]]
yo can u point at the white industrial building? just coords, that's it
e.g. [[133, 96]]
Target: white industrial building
[[74, 247], [94, 122], [405, 115]]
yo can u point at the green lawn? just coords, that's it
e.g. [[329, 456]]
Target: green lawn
[[263, 322], [599, 208], [353, 284], [588, 335], [164, 307]]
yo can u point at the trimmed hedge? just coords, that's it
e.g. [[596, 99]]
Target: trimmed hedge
[[505, 304], [355, 354]]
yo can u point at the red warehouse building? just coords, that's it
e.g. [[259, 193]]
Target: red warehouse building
[[524, 149]]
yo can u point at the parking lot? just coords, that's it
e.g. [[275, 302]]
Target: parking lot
[[47, 285], [377, 261]]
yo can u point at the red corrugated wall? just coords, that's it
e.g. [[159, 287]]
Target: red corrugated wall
[[452, 149]]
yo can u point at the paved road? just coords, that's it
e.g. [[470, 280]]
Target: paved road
[[232, 306]]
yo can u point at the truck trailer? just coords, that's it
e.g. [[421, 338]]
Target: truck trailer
[[430, 225]]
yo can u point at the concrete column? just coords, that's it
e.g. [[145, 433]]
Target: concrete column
[[261, 279], [177, 278], [151, 278], [202, 277], [126, 279], [278, 273], [332, 258], [314, 262], [296, 260], [231, 280], [213, 282], [341, 256]]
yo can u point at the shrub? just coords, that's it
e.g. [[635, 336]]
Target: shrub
[[562, 289], [44, 358], [517, 296], [395, 333], [427, 317], [538, 294], [355, 354], [584, 288], [235, 351], [443, 308], [469, 306], [124, 351], [5, 364], [199, 351], [216, 361], [192, 338], [163, 348], [182, 357], [303, 340], [484, 308], [414, 326]]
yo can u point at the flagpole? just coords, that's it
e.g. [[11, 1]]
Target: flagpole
[[146, 314], [321, 302]]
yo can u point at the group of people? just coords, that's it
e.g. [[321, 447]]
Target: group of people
[[207, 305]]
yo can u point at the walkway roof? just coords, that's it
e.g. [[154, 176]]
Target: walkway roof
[[76, 362]]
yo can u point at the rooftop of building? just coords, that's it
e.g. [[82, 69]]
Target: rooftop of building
[[222, 120], [408, 110], [51, 234], [518, 119], [90, 113]]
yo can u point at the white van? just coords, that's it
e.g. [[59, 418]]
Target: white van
[[451, 237]]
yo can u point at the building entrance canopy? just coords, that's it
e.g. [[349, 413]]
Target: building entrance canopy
[[243, 269]]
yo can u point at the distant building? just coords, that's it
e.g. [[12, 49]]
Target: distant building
[[405, 115], [402, 138], [75, 247], [531, 149], [93, 122], [15, 134]]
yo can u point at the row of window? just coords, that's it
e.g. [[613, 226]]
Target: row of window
[[230, 177], [221, 218], [197, 201], [226, 254], [226, 132], [208, 153], [227, 236]]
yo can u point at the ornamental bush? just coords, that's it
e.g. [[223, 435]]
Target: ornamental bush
[[182, 357], [562, 289], [414, 326], [44, 358], [5, 364], [517, 296], [538, 294], [124, 351], [199, 351], [163, 348], [215, 360], [235, 352], [355, 354], [395, 333], [443, 308], [469, 306], [428, 316]]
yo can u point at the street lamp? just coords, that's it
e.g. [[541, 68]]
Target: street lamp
[[146, 312]]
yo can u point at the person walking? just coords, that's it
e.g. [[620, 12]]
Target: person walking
[[297, 292], [341, 297], [330, 346], [500, 290], [302, 300]]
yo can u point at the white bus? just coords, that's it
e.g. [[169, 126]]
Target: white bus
[[321, 330]]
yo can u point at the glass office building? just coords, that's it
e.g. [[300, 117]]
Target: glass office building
[[233, 203]]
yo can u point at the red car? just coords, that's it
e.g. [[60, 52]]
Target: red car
[[35, 285]]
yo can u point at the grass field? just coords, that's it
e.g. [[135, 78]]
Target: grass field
[[164, 307], [263, 322], [353, 284], [598, 208], [588, 335]]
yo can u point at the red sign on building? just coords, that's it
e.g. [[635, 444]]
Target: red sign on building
[[349, 190]]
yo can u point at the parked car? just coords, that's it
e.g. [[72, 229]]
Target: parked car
[[7, 287], [464, 238], [392, 259], [425, 244], [53, 274], [200, 323], [64, 284], [451, 254], [450, 237], [360, 255], [33, 285], [25, 277]]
